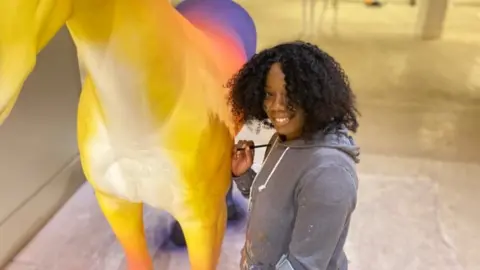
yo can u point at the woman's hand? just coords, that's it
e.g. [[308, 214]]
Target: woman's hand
[[242, 157]]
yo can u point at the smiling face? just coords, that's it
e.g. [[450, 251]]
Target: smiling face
[[287, 121]]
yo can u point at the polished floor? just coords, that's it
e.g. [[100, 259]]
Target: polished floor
[[419, 204]]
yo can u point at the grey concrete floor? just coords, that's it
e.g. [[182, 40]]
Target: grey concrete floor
[[419, 191]]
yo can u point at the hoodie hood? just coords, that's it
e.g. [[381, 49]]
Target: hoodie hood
[[332, 137]]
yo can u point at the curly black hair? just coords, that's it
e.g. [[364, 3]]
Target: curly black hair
[[314, 81]]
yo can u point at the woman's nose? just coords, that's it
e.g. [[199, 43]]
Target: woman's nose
[[279, 102]]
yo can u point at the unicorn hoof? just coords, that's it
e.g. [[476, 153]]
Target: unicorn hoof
[[233, 213], [177, 236]]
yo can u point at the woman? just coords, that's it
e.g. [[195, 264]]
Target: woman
[[302, 198]]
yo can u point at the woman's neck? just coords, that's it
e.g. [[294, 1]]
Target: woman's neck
[[289, 137]]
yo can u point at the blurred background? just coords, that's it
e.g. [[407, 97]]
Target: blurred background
[[415, 67]]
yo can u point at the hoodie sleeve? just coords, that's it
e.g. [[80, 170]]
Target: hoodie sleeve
[[325, 199], [244, 182]]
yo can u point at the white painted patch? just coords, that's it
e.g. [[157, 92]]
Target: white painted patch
[[141, 173], [126, 155], [121, 91]]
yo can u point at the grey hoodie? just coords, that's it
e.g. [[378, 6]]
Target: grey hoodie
[[300, 204]]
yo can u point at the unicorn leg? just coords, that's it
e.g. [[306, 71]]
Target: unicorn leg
[[304, 31], [204, 238], [232, 212], [177, 236], [126, 220], [335, 18], [312, 27]]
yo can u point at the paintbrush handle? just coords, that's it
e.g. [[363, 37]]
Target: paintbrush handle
[[254, 147]]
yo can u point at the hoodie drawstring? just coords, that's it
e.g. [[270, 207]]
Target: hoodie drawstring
[[262, 187]]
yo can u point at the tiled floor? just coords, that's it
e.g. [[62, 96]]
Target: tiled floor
[[420, 101]]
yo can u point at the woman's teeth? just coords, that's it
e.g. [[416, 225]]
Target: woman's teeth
[[282, 120]]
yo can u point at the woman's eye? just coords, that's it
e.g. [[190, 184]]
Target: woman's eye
[[268, 94]]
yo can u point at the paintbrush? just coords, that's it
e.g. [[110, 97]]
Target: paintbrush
[[254, 147]]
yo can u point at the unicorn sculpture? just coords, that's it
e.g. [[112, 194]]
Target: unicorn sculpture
[[154, 124]]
